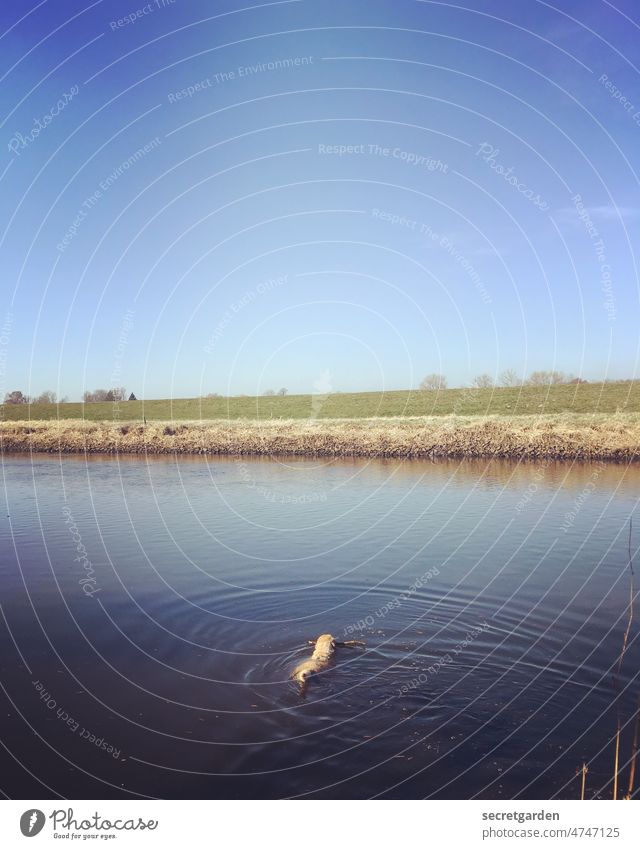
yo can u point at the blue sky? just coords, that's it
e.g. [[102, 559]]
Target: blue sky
[[222, 197]]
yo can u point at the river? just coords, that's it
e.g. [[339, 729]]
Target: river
[[153, 609]]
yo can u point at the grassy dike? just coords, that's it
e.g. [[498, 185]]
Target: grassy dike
[[584, 421], [623, 396]]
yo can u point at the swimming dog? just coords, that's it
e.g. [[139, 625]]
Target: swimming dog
[[323, 653]]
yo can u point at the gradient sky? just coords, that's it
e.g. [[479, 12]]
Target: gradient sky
[[240, 252]]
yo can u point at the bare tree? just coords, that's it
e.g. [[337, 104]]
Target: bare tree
[[545, 378], [118, 393], [538, 378], [434, 381], [269, 392], [46, 397], [282, 392], [15, 397], [509, 377], [95, 396], [482, 381]]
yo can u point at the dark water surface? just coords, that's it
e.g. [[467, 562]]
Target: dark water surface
[[152, 611]]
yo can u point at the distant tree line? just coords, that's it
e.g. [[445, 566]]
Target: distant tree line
[[509, 377], [46, 397], [118, 393], [268, 393]]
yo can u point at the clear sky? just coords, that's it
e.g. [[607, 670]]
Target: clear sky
[[230, 196]]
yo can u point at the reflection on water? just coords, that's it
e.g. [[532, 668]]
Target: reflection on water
[[154, 608]]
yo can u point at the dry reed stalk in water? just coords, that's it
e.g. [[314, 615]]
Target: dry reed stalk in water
[[615, 766], [616, 681], [634, 754], [628, 629], [585, 770]]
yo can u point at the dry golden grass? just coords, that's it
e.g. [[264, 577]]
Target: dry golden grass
[[566, 436]]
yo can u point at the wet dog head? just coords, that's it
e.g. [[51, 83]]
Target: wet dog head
[[325, 643]]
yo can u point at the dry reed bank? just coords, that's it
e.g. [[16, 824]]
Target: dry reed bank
[[568, 436]]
